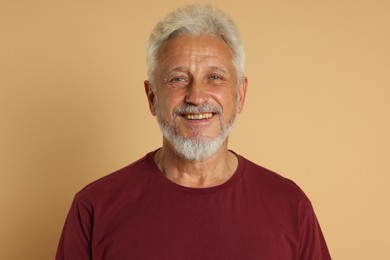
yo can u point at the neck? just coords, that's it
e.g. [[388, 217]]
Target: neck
[[196, 174]]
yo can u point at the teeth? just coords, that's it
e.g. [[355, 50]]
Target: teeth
[[198, 116]]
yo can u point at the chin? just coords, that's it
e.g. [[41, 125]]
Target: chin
[[196, 148], [193, 145]]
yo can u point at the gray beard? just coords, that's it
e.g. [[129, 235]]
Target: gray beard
[[195, 148]]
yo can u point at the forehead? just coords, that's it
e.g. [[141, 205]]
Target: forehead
[[187, 48]]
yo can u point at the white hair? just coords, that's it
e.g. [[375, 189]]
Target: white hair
[[196, 20]]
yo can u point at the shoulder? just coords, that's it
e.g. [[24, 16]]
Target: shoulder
[[121, 181], [282, 196], [271, 183]]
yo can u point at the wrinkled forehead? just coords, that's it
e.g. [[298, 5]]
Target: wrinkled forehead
[[190, 48]]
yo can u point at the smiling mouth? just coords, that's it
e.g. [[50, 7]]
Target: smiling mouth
[[198, 116]]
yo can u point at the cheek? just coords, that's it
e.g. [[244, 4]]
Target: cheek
[[167, 103], [174, 97], [227, 100]]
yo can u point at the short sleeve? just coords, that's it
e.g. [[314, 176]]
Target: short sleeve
[[75, 242], [312, 243]]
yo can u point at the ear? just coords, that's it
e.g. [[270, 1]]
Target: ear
[[150, 96], [242, 94]]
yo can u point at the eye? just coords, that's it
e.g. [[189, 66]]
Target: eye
[[178, 79], [215, 77]]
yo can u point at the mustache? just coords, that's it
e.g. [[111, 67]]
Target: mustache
[[189, 109]]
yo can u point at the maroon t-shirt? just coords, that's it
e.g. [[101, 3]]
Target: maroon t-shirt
[[137, 213]]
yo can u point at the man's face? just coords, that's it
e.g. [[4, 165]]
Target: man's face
[[196, 93]]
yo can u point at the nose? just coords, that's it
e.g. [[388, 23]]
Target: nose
[[196, 94]]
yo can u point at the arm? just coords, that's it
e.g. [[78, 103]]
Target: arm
[[75, 242], [312, 242]]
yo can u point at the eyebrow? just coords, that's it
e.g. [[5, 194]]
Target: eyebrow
[[216, 68], [185, 69], [168, 72]]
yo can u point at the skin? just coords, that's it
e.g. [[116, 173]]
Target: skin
[[196, 70]]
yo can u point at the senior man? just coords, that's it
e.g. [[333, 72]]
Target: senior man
[[193, 198]]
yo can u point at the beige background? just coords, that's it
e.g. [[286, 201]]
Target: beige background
[[72, 109]]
